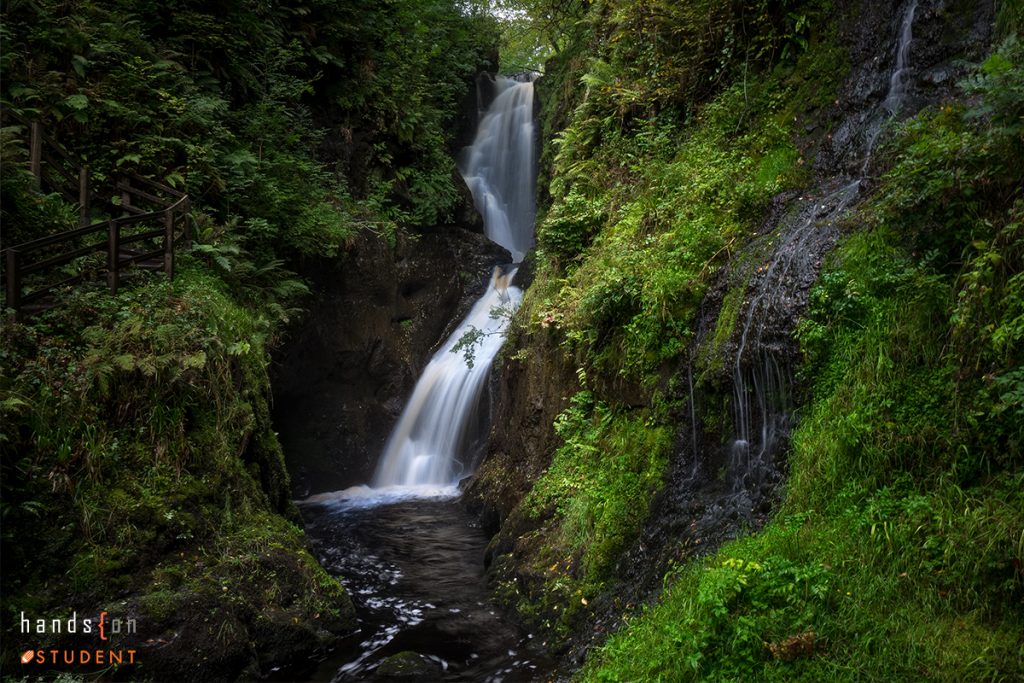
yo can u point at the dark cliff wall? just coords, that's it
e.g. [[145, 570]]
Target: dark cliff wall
[[347, 371]]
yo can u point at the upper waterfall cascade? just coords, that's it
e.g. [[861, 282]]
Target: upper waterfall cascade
[[500, 167]]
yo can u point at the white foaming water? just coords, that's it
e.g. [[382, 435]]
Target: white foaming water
[[897, 81], [426, 445], [357, 497], [500, 167]]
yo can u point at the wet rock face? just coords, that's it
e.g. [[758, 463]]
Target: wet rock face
[[947, 36], [344, 375], [700, 506], [528, 394]]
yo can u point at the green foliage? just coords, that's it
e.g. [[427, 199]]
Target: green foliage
[[642, 220], [600, 481], [474, 336], [898, 551], [139, 432], [880, 586], [26, 213], [944, 255], [139, 455], [532, 30], [589, 505], [1009, 18], [570, 226], [233, 111], [723, 618], [659, 55]]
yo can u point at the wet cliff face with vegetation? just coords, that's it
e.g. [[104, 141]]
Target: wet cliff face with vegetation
[[142, 474], [882, 534]]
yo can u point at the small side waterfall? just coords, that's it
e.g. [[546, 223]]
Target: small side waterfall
[[500, 167], [428, 446], [897, 82], [762, 409], [897, 92], [760, 391]]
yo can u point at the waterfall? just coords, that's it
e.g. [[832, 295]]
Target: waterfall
[[429, 445], [760, 392], [500, 167], [897, 81], [761, 404], [897, 92], [426, 446]]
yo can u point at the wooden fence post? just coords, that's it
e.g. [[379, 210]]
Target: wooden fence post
[[36, 153], [84, 200], [169, 243], [14, 281], [126, 197], [113, 256], [188, 222]]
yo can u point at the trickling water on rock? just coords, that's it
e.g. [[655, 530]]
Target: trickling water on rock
[[897, 82], [761, 401], [897, 93], [762, 409]]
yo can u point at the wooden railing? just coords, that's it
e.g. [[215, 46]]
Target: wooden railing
[[54, 169], [122, 241]]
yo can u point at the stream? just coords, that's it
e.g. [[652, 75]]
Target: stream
[[414, 568]]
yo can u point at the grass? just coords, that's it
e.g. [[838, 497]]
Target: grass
[[898, 550], [870, 589], [600, 481], [634, 253], [142, 457]]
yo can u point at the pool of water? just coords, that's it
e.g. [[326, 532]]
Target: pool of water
[[412, 561]]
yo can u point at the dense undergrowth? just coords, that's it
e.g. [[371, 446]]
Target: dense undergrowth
[[140, 470], [649, 196], [898, 546], [140, 456]]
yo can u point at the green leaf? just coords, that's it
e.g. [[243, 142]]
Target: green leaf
[[78, 63], [194, 361], [76, 102], [129, 158]]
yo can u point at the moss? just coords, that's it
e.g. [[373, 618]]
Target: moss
[[171, 496], [712, 353], [896, 552], [407, 666]]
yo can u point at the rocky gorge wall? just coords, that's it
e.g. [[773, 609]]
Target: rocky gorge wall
[[347, 371], [539, 557]]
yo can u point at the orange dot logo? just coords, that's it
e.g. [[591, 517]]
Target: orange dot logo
[[27, 657]]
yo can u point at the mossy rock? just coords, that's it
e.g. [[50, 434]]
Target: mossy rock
[[408, 666]]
